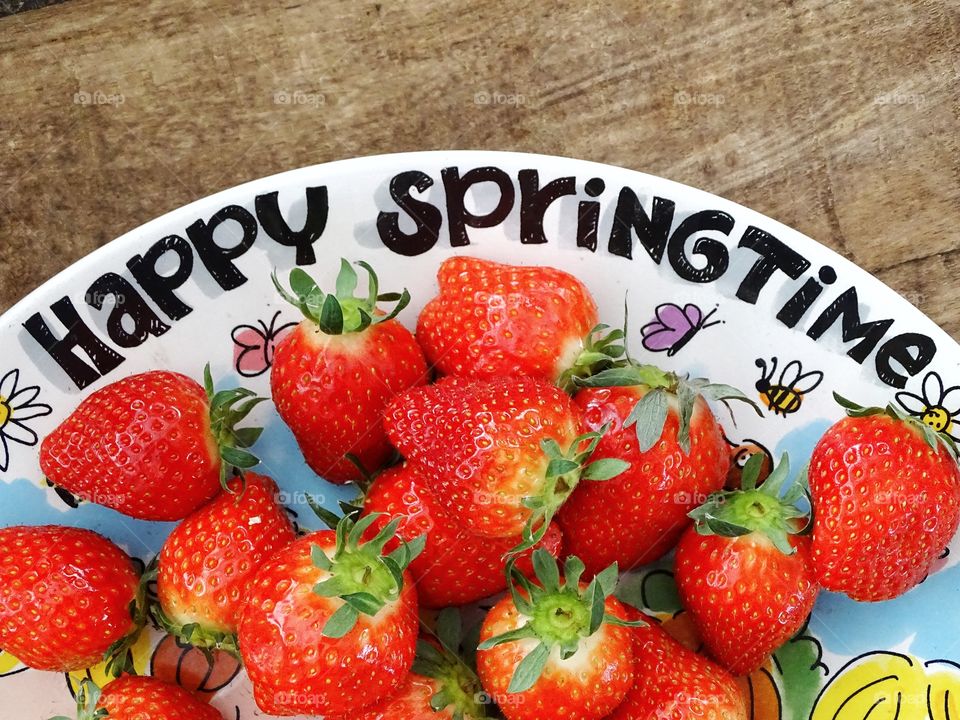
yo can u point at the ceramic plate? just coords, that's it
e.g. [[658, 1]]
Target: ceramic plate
[[714, 289]]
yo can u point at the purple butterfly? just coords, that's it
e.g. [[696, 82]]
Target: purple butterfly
[[674, 326]]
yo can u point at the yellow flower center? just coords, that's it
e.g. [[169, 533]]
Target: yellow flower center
[[5, 411], [937, 418]]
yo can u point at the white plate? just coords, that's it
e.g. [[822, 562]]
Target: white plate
[[743, 269]]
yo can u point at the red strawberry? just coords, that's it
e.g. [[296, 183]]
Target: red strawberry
[[441, 685], [133, 697], [557, 648], [336, 371], [661, 425], [743, 572], [456, 567], [501, 454], [674, 683], [209, 559], [65, 597], [491, 320], [886, 490], [330, 625], [154, 446]]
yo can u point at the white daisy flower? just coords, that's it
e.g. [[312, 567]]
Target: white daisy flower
[[17, 406]]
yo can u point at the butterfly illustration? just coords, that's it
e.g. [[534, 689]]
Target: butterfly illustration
[[674, 326], [253, 346]]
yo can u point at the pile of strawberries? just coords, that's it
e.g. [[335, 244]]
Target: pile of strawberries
[[541, 460]]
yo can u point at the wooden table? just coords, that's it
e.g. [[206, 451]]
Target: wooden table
[[841, 119]]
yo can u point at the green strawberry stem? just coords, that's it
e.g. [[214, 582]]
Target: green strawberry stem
[[564, 472], [774, 509], [360, 574], [935, 439], [560, 613], [118, 657], [649, 415], [204, 639], [602, 350], [88, 694], [459, 685], [341, 311], [227, 409]]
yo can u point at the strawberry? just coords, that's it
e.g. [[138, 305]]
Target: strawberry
[[557, 648], [336, 371], [743, 570], [154, 446], [132, 697], [886, 491], [209, 559], [491, 320], [456, 567], [674, 683], [330, 625], [442, 685], [501, 454], [68, 597], [663, 427]]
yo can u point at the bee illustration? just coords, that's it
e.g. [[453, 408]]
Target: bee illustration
[[785, 395]]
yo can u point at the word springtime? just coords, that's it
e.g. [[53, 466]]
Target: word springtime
[[692, 248]]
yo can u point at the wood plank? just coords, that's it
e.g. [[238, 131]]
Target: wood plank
[[838, 118]]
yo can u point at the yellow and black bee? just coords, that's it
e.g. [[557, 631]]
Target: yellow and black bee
[[786, 395]]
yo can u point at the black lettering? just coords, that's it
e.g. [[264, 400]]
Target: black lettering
[[652, 231], [428, 218], [274, 224], [847, 308], [796, 307], [713, 251], [912, 351], [218, 259], [774, 255], [126, 302], [458, 217], [534, 201], [588, 215], [77, 335], [159, 287]]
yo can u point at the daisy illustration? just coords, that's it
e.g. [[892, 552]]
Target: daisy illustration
[[17, 406], [935, 406]]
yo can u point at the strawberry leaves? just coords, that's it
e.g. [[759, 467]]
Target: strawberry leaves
[[561, 613], [664, 389], [359, 572], [773, 509], [932, 437], [341, 311], [88, 695], [227, 409], [564, 471]]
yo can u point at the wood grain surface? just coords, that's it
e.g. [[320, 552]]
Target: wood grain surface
[[841, 119]]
